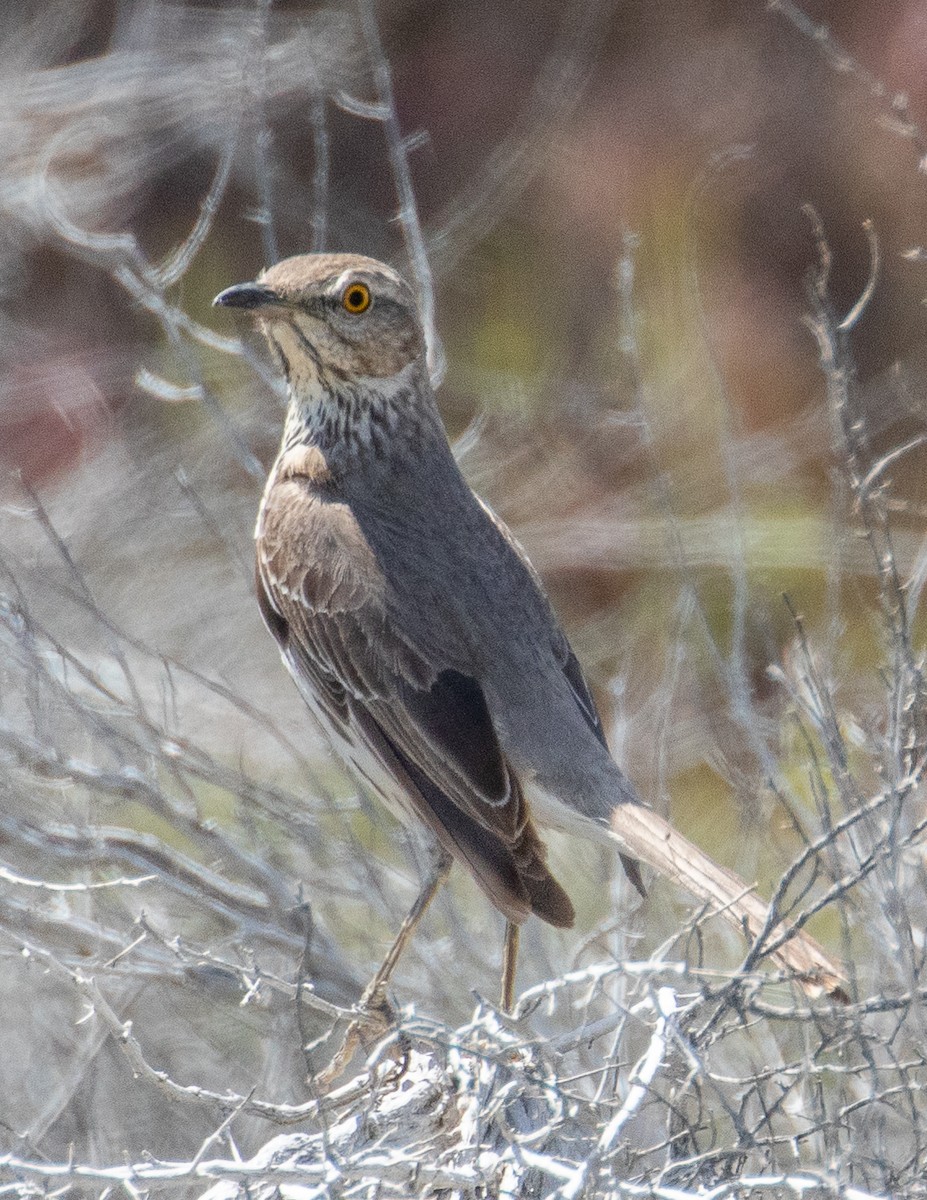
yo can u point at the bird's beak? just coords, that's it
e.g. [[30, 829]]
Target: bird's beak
[[247, 295]]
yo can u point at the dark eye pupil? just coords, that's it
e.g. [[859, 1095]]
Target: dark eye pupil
[[356, 298]]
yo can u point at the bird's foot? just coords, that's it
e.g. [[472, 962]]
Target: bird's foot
[[374, 1018]]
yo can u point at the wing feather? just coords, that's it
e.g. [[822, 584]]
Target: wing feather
[[572, 672], [325, 599]]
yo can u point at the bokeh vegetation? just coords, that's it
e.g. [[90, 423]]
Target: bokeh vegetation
[[622, 209]]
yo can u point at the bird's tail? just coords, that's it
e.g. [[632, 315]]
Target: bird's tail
[[642, 833]]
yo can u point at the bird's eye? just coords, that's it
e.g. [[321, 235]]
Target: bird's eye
[[356, 298]]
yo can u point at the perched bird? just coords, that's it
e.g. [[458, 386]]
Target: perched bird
[[417, 630]]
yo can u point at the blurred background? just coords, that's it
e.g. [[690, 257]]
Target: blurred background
[[612, 200]]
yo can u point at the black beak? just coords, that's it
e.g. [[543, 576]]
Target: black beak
[[247, 295]]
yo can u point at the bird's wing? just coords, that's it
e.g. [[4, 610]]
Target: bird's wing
[[550, 626], [580, 688], [324, 598]]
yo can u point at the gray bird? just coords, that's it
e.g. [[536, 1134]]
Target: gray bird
[[417, 630]]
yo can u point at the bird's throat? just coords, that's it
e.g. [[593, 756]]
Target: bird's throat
[[369, 424]]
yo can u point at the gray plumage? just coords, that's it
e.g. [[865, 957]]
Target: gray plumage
[[420, 635], [405, 610]]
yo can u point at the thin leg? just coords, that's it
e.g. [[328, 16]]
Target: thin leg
[[431, 885], [374, 1009], [509, 963]]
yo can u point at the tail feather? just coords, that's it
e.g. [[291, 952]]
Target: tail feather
[[647, 836]]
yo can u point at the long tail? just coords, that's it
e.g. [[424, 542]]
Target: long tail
[[648, 837]]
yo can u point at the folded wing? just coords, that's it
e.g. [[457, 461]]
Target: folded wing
[[426, 723]]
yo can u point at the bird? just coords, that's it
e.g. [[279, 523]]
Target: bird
[[420, 635]]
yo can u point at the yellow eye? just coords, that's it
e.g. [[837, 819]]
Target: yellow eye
[[356, 298]]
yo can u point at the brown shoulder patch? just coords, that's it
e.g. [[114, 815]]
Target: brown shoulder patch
[[312, 551], [304, 462]]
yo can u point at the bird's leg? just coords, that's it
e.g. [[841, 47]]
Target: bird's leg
[[509, 963], [373, 1005], [438, 872]]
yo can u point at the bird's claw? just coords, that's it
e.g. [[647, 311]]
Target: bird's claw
[[374, 1017]]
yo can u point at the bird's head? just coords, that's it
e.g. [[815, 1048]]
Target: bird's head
[[333, 317], [347, 336]]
